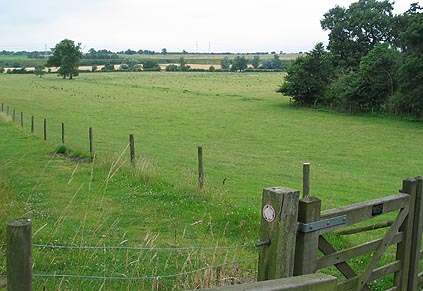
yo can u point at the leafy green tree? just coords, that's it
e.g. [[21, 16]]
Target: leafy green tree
[[129, 64], [183, 64], [308, 77], [171, 68], [151, 65], [239, 64], [353, 32], [410, 95], [108, 67], [377, 77], [255, 62], [164, 51], [225, 63], [66, 55], [39, 71], [272, 64]]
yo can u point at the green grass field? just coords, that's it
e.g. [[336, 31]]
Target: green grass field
[[251, 139]]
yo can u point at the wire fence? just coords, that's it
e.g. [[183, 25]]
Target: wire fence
[[206, 266], [145, 277], [250, 244]]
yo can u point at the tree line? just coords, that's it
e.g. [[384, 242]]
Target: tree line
[[373, 62]]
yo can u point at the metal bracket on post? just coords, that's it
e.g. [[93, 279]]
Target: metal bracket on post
[[321, 224]]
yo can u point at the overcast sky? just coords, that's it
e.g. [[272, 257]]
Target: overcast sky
[[191, 25]]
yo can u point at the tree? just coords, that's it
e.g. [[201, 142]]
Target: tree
[[66, 55], [308, 77], [225, 63], [164, 51], [377, 77], [256, 62], [353, 32], [128, 64], [239, 64], [183, 64], [272, 64], [410, 96], [39, 71], [151, 65]]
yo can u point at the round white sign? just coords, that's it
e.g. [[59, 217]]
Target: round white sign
[[269, 213]]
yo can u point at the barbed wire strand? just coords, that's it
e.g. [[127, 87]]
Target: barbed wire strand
[[143, 248], [141, 278]]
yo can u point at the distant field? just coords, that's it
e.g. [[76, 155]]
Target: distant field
[[251, 139], [249, 134]]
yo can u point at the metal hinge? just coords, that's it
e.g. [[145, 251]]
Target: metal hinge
[[321, 224]]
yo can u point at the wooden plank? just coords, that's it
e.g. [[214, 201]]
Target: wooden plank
[[366, 228], [348, 285], [420, 279], [344, 255], [307, 245], [363, 211], [342, 266], [279, 226], [364, 278], [315, 282], [385, 270]]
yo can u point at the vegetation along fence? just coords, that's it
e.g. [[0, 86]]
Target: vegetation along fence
[[12, 114], [296, 243]]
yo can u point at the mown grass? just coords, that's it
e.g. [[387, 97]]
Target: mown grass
[[251, 139]]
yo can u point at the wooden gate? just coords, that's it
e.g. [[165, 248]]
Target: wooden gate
[[404, 236]]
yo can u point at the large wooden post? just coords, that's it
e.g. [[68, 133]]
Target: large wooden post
[[278, 231], [409, 186], [416, 240], [307, 245], [19, 255]]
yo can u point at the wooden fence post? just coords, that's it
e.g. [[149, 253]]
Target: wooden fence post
[[32, 124], [14, 115], [19, 255], [22, 117], [7, 111], [2, 107], [132, 149], [200, 167], [306, 180], [90, 134], [307, 245], [416, 240], [278, 231], [409, 186], [63, 133], [45, 129]]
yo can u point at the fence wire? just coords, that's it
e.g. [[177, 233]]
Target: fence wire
[[144, 248], [144, 278]]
